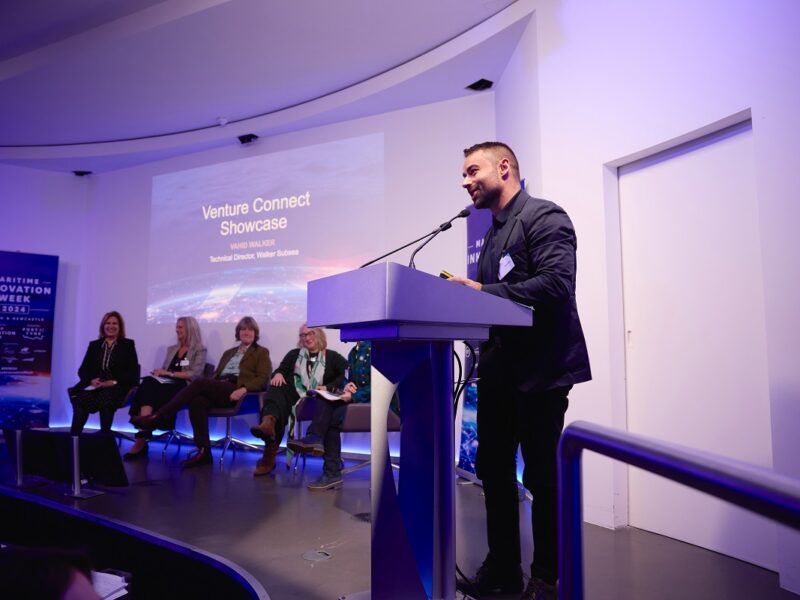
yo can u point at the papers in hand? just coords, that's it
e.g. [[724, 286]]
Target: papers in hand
[[325, 394], [109, 585]]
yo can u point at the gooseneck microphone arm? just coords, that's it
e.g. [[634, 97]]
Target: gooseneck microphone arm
[[374, 260], [431, 235], [443, 227]]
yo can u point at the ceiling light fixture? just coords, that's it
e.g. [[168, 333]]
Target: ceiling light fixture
[[247, 138], [480, 85]]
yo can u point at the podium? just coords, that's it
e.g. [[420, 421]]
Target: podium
[[412, 319]]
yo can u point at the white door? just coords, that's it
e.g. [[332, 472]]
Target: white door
[[695, 337]]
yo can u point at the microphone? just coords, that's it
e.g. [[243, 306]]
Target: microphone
[[448, 224], [443, 227]]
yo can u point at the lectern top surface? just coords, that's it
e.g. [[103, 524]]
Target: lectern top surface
[[392, 293]]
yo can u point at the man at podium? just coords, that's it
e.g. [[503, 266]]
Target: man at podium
[[525, 374]]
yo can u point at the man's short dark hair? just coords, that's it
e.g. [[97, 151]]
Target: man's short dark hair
[[499, 150]]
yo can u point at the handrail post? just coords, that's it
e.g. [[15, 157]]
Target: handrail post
[[571, 520], [76, 467], [753, 488], [18, 442], [20, 480]]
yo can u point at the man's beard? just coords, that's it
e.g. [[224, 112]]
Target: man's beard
[[485, 198]]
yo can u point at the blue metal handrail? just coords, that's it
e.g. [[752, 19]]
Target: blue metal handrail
[[754, 488]]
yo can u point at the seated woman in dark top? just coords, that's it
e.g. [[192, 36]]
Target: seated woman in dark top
[[243, 368], [308, 367], [184, 362], [108, 371]]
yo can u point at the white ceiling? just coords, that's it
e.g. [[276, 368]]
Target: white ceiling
[[88, 71]]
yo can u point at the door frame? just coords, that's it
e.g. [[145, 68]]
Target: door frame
[[614, 281]]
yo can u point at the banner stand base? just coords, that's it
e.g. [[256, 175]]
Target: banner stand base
[[83, 493]]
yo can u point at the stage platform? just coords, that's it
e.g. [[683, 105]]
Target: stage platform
[[302, 544]]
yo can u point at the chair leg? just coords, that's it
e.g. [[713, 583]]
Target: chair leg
[[228, 438], [123, 435], [171, 435], [231, 442], [297, 458], [360, 465], [225, 446]]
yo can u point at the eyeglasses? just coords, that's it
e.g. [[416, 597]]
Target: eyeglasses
[[308, 334]]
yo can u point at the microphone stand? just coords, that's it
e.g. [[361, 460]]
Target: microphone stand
[[374, 260], [444, 227]]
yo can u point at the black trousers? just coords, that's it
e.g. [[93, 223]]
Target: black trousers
[[279, 402], [508, 419], [327, 424], [105, 400], [201, 395], [152, 392]]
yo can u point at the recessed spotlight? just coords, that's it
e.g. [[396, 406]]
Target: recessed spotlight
[[247, 138], [480, 85]]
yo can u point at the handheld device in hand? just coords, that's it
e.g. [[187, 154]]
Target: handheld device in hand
[[445, 275]]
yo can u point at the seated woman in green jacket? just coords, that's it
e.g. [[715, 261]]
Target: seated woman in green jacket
[[242, 369]]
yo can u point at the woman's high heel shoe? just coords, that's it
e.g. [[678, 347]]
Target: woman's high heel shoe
[[138, 451], [146, 422]]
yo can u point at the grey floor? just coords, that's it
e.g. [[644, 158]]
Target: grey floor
[[272, 525]]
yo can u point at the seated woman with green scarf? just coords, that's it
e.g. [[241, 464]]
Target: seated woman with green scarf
[[308, 367]]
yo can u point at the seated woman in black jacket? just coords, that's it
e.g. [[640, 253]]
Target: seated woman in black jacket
[[308, 367], [185, 361], [243, 368], [110, 368]]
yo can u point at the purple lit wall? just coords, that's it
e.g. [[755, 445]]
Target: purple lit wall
[[591, 85]]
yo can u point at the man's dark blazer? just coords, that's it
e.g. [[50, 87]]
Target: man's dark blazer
[[541, 241]]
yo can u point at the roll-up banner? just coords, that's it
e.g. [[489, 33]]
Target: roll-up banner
[[478, 224], [27, 306]]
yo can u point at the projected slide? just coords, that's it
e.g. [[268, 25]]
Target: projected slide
[[244, 237]]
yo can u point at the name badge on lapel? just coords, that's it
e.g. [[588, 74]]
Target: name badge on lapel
[[506, 264]]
